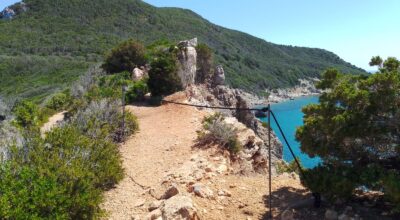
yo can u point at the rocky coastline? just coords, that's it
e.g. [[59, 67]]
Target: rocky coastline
[[306, 87]]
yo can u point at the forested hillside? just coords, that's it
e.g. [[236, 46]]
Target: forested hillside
[[54, 41]]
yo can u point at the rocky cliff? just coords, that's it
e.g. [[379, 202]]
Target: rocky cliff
[[214, 93]]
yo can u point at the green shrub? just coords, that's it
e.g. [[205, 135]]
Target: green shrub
[[163, 77], [354, 130], [216, 130], [99, 156], [103, 119], [59, 101], [332, 182], [125, 57], [60, 177], [205, 63], [33, 192], [27, 115], [137, 91], [55, 178]]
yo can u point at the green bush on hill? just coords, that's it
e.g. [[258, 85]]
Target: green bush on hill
[[125, 57]]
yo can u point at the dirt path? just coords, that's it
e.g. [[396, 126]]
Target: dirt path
[[164, 146]]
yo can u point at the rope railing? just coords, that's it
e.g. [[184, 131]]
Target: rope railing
[[216, 107]]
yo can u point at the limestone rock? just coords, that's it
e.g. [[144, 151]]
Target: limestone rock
[[202, 191], [138, 74], [179, 208], [187, 58], [224, 193]]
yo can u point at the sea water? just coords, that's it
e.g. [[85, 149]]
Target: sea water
[[290, 116]]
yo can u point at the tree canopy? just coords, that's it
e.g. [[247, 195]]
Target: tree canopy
[[355, 129]]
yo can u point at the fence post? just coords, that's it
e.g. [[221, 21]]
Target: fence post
[[122, 137], [269, 161]]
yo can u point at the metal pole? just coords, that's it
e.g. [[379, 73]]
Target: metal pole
[[123, 114], [269, 161]]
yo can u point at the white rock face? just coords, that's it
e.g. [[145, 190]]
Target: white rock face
[[188, 62], [138, 74]]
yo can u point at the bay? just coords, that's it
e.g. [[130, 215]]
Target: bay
[[290, 116]]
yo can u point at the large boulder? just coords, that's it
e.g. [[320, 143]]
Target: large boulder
[[179, 208], [187, 57]]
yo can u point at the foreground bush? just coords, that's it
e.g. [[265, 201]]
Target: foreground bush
[[61, 177], [355, 130], [216, 130], [33, 192]]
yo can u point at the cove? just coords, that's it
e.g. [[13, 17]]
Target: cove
[[290, 116]]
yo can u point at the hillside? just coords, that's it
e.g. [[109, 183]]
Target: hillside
[[54, 41]]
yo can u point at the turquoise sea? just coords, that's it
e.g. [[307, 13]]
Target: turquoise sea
[[290, 116]]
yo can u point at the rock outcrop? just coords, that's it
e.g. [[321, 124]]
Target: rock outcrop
[[138, 74], [187, 57], [11, 11], [7, 13], [225, 96], [219, 75]]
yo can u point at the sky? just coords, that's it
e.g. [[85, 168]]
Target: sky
[[355, 30]]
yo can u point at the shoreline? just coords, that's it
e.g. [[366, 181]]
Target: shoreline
[[304, 89]]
